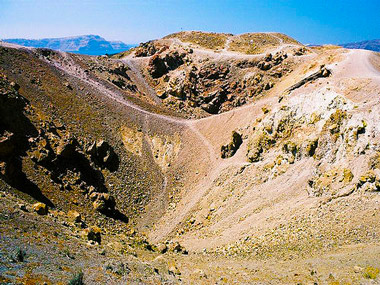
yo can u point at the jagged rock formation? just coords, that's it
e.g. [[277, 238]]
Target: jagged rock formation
[[50, 145], [198, 83]]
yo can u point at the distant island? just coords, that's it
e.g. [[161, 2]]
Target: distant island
[[373, 45], [87, 44]]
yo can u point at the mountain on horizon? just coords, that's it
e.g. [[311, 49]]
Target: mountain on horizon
[[373, 45], [87, 44]]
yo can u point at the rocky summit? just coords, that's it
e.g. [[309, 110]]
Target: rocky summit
[[198, 158]]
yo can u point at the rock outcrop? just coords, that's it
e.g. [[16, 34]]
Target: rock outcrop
[[49, 145], [103, 155], [322, 72], [160, 64], [230, 149]]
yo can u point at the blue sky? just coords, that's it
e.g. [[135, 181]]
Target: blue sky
[[134, 21]]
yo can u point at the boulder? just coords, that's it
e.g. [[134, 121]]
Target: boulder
[[157, 66], [176, 86], [230, 149], [145, 49], [176, 247], [300, 51], [103, 150], [103, 202], [120, 69], [268, 57], [268, 86], [279, 57], [93, 234], [264, 65], [162, 248], [15, 85], [67, 147], [173, 60], [102, 154], [213, 106], [68, 86]]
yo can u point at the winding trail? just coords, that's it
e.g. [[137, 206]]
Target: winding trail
[[227, 54], [68, 66], [202, 138], [227, 44], [357, 64], [137, 78]]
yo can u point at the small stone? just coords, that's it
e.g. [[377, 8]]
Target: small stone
[[15, 85], [23, 208], [74, 216], [172, 269], [41, 208], [162, 248], [67, 84], [358, 269], [200, 273]]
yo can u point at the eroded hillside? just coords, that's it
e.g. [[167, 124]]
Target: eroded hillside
[[196, 158]]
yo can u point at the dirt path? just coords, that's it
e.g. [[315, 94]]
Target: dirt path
[[358, 65], [136, 75], [167, 225], [71, 68], [227, 44], [225, 54], [212, 154], [280, 41]]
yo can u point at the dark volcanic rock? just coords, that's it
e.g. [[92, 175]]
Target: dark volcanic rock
[[145, 49], [159, 65], [230, 149], [67, 147], [103, 155]]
